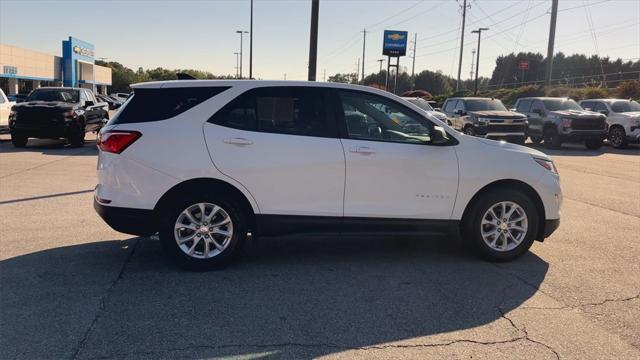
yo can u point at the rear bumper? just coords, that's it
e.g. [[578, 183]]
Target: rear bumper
[[139, 222]]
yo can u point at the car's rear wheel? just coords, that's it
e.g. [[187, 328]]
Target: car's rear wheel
[[203, 232], [593, 144], [501, 225], [617, 137], [551, 138], [536, 139], [518, 140], [18, 140]]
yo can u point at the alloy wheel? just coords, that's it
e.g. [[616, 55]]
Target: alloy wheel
[[203, 230], [504, 226]]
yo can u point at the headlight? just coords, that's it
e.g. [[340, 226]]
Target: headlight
[[566, 123], [13, 115], [483, 121], [547, 164]]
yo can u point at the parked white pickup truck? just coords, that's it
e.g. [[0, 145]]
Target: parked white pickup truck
[[5, 109], [623, 118]]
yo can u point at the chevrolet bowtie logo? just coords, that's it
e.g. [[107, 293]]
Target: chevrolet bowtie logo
[[395, 37]]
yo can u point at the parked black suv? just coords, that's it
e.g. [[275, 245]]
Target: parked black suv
[[56, 112], [485, 117], [558, 120]]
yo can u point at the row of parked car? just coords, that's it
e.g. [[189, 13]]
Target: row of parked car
[[550, 120]]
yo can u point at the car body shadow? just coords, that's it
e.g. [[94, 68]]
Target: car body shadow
[[575, 149], [51, 147], [286, 297]]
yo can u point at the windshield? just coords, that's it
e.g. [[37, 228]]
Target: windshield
[[421, 103], [65, 95], [623, 106], [561, 104], [484, 104]]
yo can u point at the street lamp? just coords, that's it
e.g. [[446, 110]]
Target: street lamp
[[241, 32], [237, 59], [479, 32]]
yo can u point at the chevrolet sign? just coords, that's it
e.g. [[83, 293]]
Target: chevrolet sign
[[83, 51], [394, 43]]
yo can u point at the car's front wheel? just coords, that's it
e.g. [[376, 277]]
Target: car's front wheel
[[203, 232], [551, 138], [536, 139], [469, 130], [617, 137], [593, 144], [501, 225], [19, 140]]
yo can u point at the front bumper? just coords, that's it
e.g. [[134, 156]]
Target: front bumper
[[582, 135], [140, 222], [45, 130]]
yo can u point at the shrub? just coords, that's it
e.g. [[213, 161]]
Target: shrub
[[593, 93], [628, 90]]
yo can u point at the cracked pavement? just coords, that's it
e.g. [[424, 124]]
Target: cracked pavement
[[72, 288]]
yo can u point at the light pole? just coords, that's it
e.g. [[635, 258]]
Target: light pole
[[237, 66], [381, 61], [241, 32], [479, 32], [251, 43]]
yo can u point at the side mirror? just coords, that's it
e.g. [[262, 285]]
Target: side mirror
[[437, 109], [538, 111], [604, 112], [88, 103], [439, 136], [459, 112]]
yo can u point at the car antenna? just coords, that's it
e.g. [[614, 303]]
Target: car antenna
[[185, 76]]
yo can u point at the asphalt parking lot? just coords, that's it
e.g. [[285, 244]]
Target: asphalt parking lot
[[70, 287]]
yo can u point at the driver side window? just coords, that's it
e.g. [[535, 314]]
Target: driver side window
[[370, 117]]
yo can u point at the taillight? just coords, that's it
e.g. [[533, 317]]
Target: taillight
[[116, 141]]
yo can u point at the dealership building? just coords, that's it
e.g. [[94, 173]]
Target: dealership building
[[22, 70]]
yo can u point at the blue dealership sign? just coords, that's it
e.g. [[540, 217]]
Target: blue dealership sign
[[394, 43]]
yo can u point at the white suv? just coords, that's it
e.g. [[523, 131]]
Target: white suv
[[203, 163], [623, 118]]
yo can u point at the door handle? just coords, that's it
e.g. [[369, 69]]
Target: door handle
[[238, 141], [362, 150]]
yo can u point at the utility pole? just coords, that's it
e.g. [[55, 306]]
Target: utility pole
[[324, 75], [415, 42], [479, 32], [237, 66], [464, 16], [364, 41], [313, 40], [251, 43], [357, 69], [473, 62], [381, 61], [285, 76], [241, 32], [552, 37]]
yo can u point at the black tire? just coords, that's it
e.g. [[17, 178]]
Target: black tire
[[469, 130], [618, 137], [593, 144], [170, 215], [536, 139], [76, 139], [518, 140], [19, 140], [551, 138], [472, 224]]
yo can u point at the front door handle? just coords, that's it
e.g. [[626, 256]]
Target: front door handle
[[238, 141], [362, 150]]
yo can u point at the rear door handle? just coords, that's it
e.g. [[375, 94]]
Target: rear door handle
[[362, 150], [238, 141]]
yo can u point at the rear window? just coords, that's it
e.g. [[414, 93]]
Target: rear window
[[146, 105]]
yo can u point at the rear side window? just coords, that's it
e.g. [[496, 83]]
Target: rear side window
[[146, 105], [282, 110], [524, 106]]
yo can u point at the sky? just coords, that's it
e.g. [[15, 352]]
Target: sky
[[202, 34]]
